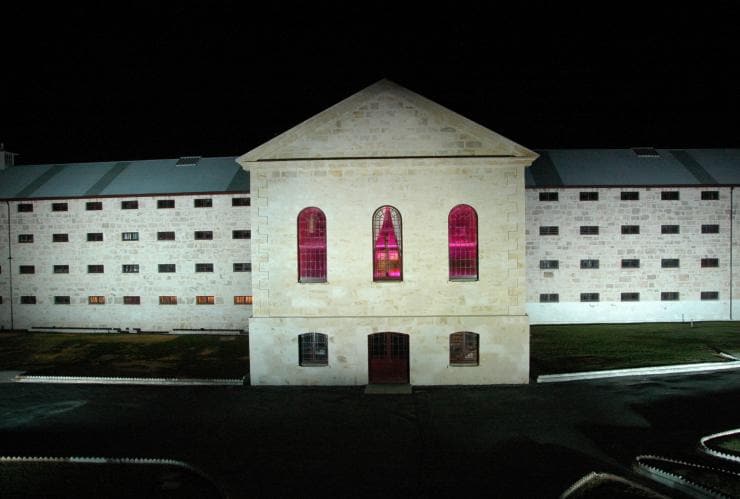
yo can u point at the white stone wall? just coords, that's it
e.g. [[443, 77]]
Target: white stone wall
[[690, 212], [222, 251], [4, 269]]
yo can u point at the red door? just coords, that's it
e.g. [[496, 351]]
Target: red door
[[388, 358]]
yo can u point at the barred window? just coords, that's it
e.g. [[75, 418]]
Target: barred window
[[669, 196], [95, 269], [28, 300], [165, 203], [589, 297], [94, 236], [132, 300], [710, 229], [166, 236], [203, 203], [549, 298], [93, 206], [166, 267], [311, 245], [25, 207], [548, 196], [243, 300], [25, 238], [168, 300], [589, 196], [630, 263], [242, 267], [630, 196], [313, 349], [27, 269], [62, 300], [589, 264], [630, 229], [60, 238], [549, 230], [549, 264], [241, 234], [205, 300], [130, 268], [96, 300], [464, 348], [710, 262], [462, 240], [59, 207], [203, 235], [669, 296], [240, 201], [669, 263], [129, 236], [204, 267], [630, 296], [589, 230], [130, 205], [387, 245], [709, 195], [61, 269], [710, 295], [669, 229]]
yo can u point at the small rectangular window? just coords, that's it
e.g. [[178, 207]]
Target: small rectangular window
[[589, 264], [589, 297], [203, 235], [61, 269], [669, 229], [165, 203], [669, 196], [243, 300], [630, 196], [548, 196], [240, 201], [25, 207], [60, 238], [710, 295], [589, 230], [27, 269], [710, 229], [130, 268], [630, 297], [130, 205], [549, 264], [94, 236], [96, 300], [59, 207], [589, 196], [61, 300], [28, 300], [165, 236], [129, 236], [669, 263], [549, 298], [203, 203], [630, 229], [132, 300], [669, 296], [709, 195], [205, 300], [630, 263], [552, 230], [204, 267], [95, 269], [313, 349], [242, 267], [93, 206], [25, 238], [168, 300], [166, 267], [241, 234], [710, 262]]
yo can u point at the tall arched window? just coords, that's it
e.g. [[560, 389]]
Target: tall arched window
[[387, 247], [462, 230], [311, 245]]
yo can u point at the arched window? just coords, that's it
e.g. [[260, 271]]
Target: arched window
[[387, 247], [313, 349], [464, 348], [462, 230], [311, 245]]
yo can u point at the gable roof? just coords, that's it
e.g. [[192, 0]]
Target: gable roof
[[386, 120]]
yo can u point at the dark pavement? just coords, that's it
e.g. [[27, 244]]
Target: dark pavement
[[505, 441]]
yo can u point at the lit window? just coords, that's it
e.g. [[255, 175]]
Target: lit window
[[243, 300], [549, 298], [59, 207], [462, 239], [669, 296], [387, 245], [96, 300], [168, 300], [311, 245], [129, 236], [464, 349], [130, 205], [313, 349], [205, 300]]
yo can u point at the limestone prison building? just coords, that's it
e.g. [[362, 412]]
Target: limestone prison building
[[386, 239]]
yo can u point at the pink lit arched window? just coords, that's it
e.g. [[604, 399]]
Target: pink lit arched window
[[387, 247], [311, 245], [462, 230]]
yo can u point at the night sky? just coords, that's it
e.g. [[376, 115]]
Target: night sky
[[126, 83]]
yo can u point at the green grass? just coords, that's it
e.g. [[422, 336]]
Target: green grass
[[594, 347], [135, 355]]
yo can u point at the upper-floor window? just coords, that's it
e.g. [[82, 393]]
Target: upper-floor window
[[464, 348], [630, 297], [25, 238], [549, 298], [166, 236], [589, 264], [548, 196], [25, 207], [669, 229], [59, 207], [629, 196], [28, 300], [129, 236], [205, 300], [462, 240], [95, 269], [243, 300], [589, 297], [588, 196], [709, 195], [710, 229], [165, 203], [203, 202], [94, 206], [549, 230], [96, 300], [311, 245], [243, 267], [240, 201], [669, 196], [203, 235], [241, 234], [27, 269], [589, 230], [94, 236], [669, 263], [166, 267], [61, 269], [204, 267], [132, 300], [549, 264], [710, 262], [313, 349], [669, 296], [130, 205], [710, 295], [630, 229], [387, 245], [630, 263], [60, 238], [130, 268]]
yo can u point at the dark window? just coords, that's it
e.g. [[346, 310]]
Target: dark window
[[132, 268], [630, 229], [549, 230], [630, 296], [96, 300], [60, 238], [548, 196], [669, 196], [240, 201], [630, 263], [669, 263], [94, 236], [129, 236], [589, 196], [94, 206], [95, 269], [132, 300], [25, 238], [387, 245], [59, 207], [242, 267], [311, 245], [669, 229], [168, 300], [165, 236], [204, 267], [709, 195], [464, 348], [243, 300], [205, 300], [710, 262], [462, 241], [165, 203], [589, 230], [130, 205], [166, 267], [710, 229], [28, 300], [549, 264], [630, 196], [27, 269], [61, 300], [669, 296], [203, 202], [589, 297], [61, 269], [589, 264], [710, 295], [25, 207], [241, 234], [549, 298], [203, 235], [313, 349]]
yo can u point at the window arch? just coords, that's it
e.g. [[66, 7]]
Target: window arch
[[462, 230], [464, 348], [311, 245], [387, 245], [313, 349]]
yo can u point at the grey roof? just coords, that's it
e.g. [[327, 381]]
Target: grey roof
[[123, 178], [623, 167]]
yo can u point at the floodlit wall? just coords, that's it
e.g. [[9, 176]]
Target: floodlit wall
[[5, 322]]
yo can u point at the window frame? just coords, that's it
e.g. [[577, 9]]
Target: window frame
[[241, 201], [94, 206], [629, 196], [670, 296], [309, 353], [242, 267], [465, 259], [203, 235], [549, 196], [588, 196], [311, 246], [630, 230], [165, 204], [549, 297], [549, 264], [165, 235], [464, 349], [589, 230], [58, 207], [589, 263], [130, 204], [205, 300], [203, 203], [393, 265], [590, 297], [670, 229]]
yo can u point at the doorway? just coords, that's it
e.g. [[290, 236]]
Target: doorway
[[388, 358]]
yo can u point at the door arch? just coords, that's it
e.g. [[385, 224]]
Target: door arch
[[388, 358]]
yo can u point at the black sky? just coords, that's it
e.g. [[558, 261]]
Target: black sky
[[84, 84]]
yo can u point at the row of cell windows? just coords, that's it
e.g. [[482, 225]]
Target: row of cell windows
[[198, 235], [594, 230], [313, 349], [133, 300], [134, 268], [630, 263], [630, 296], [629, 196], [133, 204], [387, 253]]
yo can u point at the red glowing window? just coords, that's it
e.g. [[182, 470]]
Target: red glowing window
[[311, 245], [462, 228], [387, 247]]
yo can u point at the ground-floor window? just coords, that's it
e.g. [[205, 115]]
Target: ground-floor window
[[313, 349], [464, 348]]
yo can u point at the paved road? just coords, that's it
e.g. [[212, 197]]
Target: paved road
[[511, 441]]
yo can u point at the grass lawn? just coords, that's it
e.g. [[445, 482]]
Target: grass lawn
[[594, 347], [130, 355]]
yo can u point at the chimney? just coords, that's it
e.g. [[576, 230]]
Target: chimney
[[7, 159]]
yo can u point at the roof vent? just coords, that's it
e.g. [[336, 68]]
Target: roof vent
[[646, 152], [188, 161]]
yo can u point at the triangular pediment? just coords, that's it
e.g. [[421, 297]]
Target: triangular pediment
[[386, 120]]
